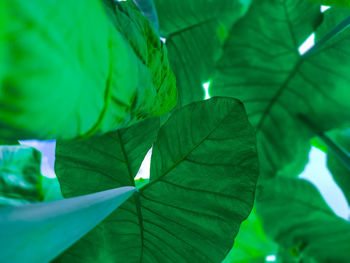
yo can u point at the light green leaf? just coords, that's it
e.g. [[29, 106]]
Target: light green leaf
[[203, 177], [194, 32], [20, 178], [340, 173], [73, 77], [36, 233], [262, 67], [251, 243], [296, 216]]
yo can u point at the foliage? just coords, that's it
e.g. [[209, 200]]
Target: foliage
[[95, 76]]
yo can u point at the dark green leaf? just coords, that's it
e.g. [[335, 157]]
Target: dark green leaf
[[195, 31], [340, 173], [203, 176], [262, 67], [35, 233], [74, 77], [296, 216], [20, 178], [343, 3]]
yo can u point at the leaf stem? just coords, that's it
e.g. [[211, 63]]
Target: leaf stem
[[341, 154], [333, 33]]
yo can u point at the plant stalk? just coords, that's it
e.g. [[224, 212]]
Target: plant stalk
[[341, 154]]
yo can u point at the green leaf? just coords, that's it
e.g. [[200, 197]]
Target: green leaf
[[38, 232], [77, 76], [203, 177], [20, 178], [251, 243], [296, 216], [261, 66], [51, 189], [340, 173], [194, 32], [342, 3]]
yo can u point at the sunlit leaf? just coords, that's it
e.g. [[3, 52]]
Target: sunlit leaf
[[72, 71]]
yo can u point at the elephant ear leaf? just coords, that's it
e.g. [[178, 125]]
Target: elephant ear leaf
[[20, 177], [283, 90], [87, 77], [202, 185], [194, 32]]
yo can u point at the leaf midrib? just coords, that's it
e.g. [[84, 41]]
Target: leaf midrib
[[136, 196], [181, 159]]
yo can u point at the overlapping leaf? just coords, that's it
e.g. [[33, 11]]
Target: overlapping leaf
[[296, 216], [74, 77], [194, 31], [261, 66], [203, 176], [20, 178], [251, 244]]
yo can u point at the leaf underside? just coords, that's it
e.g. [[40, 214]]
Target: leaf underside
[[180, 215]]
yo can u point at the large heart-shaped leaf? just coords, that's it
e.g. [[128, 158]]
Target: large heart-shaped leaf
[[340, 173], [203, 176], [20, 178], [66, 78], [296, 216], [281, 89], [194, 32]]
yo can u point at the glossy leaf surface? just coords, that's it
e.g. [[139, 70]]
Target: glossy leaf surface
[[262, 67], [80, 77], [296, 216], [20, 178], [194, 32], [36, 233], [180, 215]]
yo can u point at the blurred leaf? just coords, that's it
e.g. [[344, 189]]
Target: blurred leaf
[[340, 173], [51, 189], [203, 176], [296, 216], [20, 178], [148, 10], [251, 243], [343, 3], [194, 32], [79, 76], [261, 66], [35, 233]]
